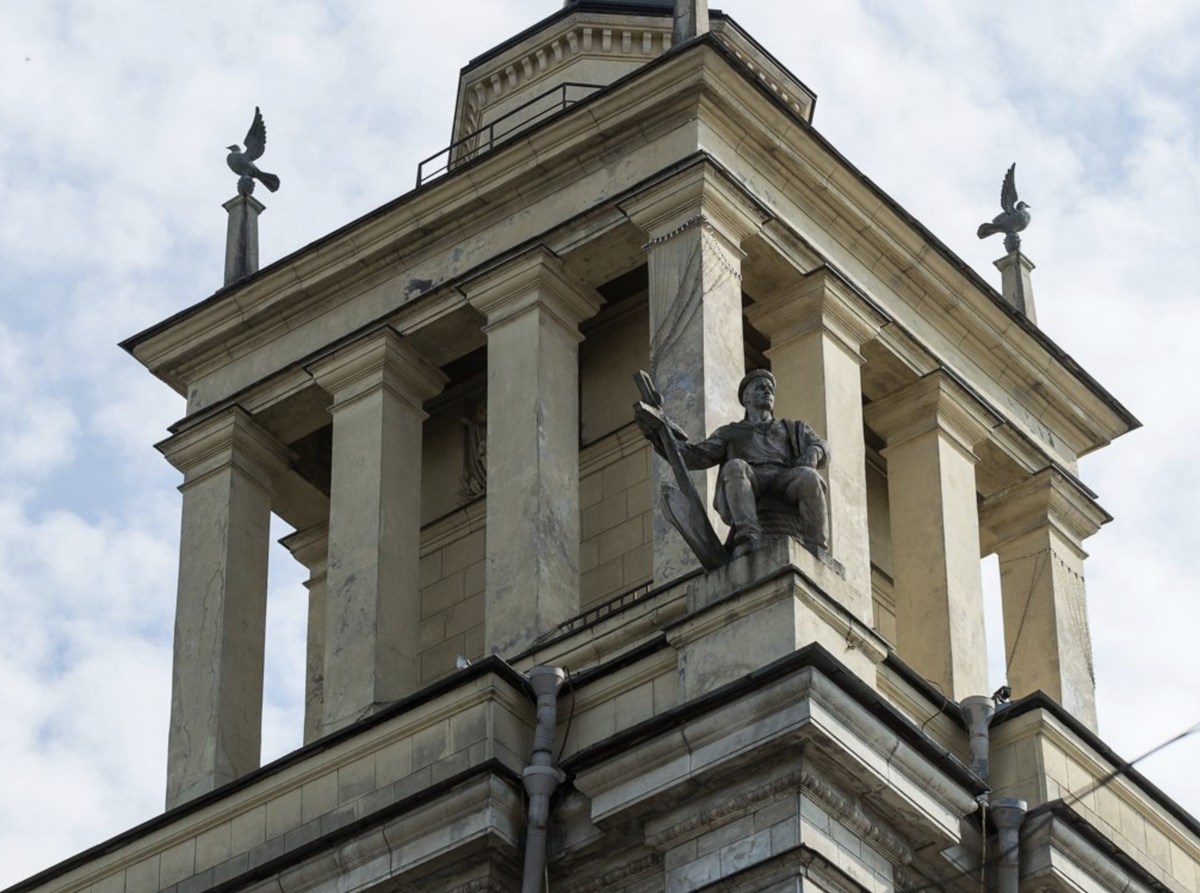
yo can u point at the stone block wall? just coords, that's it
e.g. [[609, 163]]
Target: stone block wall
[[468, 745], [452, 590], [616, 553], [1037, 758], [617, 550]]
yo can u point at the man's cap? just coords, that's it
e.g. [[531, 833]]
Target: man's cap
[[751, 376]]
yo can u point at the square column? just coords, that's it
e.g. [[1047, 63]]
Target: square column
[[932, 427], [1037, 528], [533, 311], [696, 223], [229, 464], [311, 548], [379, 385], [817, 330]]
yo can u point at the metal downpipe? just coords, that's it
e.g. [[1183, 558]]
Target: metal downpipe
[[541, 777], [978, 711], [1008, 815]]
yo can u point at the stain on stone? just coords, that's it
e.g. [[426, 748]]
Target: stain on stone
[[417, 287]]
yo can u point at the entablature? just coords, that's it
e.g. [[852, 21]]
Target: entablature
[[566, 176]]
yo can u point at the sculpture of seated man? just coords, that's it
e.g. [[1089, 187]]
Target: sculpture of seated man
[[761, 457]]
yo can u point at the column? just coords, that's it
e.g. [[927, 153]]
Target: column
[[379, 385], [311, 548], [696, 223], [932, 427], [1037, 528], [817, 329], [533, 310], [229, 464]]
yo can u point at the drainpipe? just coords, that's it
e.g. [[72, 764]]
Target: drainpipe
[[1008, 815], [978, 710], [541, 776]]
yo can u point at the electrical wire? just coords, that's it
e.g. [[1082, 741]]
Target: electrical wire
[[1027, 830]]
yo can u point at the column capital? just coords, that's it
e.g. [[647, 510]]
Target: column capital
[[1049, 498], [822, 300], [309, 546], [699, 195], [228, 437], [381, 358], [937, 401], [536, 278]]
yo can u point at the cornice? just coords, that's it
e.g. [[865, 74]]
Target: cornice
[[803, 168]]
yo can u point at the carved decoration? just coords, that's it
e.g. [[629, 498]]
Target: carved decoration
[[842, 806], [629, 871], [473, 483], [698, 822], [846, 810]]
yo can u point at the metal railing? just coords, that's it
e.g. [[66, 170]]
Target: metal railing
[[494, 134]]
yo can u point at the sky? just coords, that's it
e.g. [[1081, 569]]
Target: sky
[[113, 121]]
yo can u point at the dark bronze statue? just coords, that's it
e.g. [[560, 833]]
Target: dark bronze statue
[[1014, 218], [768, 484], [242, 163]]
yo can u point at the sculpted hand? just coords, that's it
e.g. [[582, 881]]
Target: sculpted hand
[[649, 422]]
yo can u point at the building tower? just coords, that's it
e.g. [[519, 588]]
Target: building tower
[[518, 673]]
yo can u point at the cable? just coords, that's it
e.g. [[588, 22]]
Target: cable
[[1026, 830]]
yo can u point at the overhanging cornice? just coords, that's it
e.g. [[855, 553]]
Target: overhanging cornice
[[382, 246]]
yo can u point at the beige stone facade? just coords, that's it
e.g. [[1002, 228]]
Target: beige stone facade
[[437, 399]]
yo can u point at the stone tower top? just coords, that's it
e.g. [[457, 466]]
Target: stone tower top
[[569, 56]]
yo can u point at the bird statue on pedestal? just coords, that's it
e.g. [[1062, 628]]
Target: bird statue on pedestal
[[242, 163], [1013, 219]]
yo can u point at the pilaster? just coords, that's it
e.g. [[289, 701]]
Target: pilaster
[[533, 309], [817, 329], [1037, 528], [311, 548], [932, 427], [379, 385], [696, 223], [229, 464]]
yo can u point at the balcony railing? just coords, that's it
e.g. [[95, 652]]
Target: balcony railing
[[506, 126]]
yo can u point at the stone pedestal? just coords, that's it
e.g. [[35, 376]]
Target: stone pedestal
[[695, 222], [817, 328], [931, 428], [379, 385], [311, 548], [241, 237], [691, 20], [228, 464], [533, 311], [1016, 284], [1037, 529], [763, 606]]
